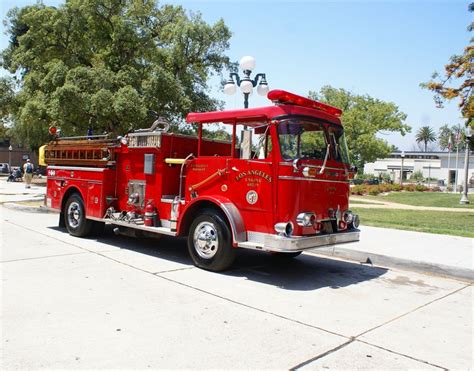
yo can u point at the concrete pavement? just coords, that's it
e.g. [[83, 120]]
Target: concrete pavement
[[16, 191], [443, 255], [118, 302]]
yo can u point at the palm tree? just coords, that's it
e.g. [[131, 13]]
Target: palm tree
[[425, 135]]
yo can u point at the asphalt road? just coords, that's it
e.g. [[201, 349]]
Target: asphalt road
[[118, 302]]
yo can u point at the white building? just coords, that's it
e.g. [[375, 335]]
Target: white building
[[439, 165]]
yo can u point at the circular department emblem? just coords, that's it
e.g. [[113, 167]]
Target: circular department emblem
[[252, 197]]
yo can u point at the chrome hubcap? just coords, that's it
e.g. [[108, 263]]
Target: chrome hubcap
[[205, 240], [73, 214]]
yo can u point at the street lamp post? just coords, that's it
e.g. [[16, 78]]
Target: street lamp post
[[10, 149], [246, 84], [402, 155], [464, 199]]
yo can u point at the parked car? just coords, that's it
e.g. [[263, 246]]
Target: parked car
[[371, 181], [4, 168]]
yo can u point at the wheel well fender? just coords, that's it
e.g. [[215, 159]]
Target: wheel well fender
[[66, 195], [222, 205]]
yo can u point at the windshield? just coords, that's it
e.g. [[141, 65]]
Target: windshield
[[311, 140]]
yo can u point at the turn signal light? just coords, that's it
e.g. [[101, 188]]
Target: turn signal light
[[284, 229], [305, 219]]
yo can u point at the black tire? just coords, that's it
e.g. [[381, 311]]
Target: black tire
[[286, 255], [210, 242], [75, 217]]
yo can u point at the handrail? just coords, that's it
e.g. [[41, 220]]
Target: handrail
[[181, 175], [325, 159], [83, 137]]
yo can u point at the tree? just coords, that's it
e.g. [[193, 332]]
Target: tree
[[456, 133], [364, 117], [106, 64], [460, 68], [425, 135], [6, 105]]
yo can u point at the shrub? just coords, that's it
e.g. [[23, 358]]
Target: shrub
[[374, 190], [358, 190], [409, 187], [417, 175], [396, 187], [385, 188], [385, 177], [421, 188]]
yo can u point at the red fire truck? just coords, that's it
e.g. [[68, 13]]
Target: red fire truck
[[282, 187]]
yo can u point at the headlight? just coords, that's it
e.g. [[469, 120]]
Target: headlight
[[331, 213], [306, 219], [348, 217], [285, 229], [356, 221]]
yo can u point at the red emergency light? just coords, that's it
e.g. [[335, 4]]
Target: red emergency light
[[53, 130], [284, 97]]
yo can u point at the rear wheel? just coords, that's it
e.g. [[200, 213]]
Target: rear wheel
[[210, 242], [75, 217]]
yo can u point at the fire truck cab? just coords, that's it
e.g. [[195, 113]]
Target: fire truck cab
[[282, 188]]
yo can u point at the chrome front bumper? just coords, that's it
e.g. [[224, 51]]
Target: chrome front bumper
[[270, 242]]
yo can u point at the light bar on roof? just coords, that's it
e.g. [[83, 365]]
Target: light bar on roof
[[284, 97]]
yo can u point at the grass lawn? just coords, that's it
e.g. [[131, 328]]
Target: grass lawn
[[436, 199], [354, 201], [454, 224]]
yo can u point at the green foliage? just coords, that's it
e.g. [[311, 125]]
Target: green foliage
[[449, 223], [364, 117], [455, 131], [417, 175], [219, 134], [457, 82], [425, 135], [386, 177], [107, 64], [435, 198]]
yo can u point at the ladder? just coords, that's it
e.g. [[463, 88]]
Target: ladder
[[98, 151]]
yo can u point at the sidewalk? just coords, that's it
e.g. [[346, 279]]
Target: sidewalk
[[436, 254], [11, 192], [442, 255]]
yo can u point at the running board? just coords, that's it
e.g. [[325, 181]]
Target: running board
[[158, 230]]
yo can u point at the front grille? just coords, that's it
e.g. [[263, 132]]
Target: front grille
[[329, 226]]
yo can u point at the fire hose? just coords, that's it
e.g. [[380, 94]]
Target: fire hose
[[208, 179]]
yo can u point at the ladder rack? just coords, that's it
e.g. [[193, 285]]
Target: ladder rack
[[78, 151]]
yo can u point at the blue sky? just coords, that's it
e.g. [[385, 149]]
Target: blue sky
[[381, 48]]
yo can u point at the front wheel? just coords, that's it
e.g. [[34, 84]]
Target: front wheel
[[210, 242], [75, 217]]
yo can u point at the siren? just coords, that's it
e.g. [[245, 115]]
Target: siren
[[284, 97], [53, 130]]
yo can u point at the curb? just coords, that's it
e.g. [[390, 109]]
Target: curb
[[32, 209], [441, 270]]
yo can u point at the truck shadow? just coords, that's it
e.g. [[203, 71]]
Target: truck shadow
[[303, 273]]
